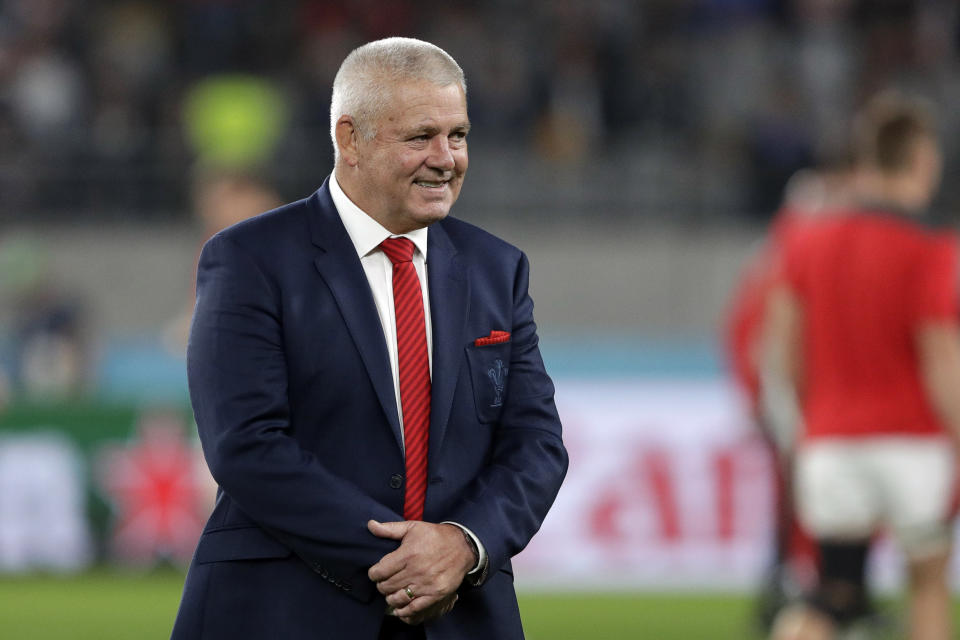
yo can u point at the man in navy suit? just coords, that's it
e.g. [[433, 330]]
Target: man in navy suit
[[300, 361]]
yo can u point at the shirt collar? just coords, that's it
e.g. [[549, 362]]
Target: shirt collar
[[365, 232]]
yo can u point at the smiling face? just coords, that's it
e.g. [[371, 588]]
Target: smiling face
[[410, 173]]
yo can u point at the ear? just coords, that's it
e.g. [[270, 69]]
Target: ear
[[347, 138]]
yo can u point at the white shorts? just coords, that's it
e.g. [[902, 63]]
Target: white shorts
[[848, 489]]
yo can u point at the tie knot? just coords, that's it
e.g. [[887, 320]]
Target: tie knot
[[398, 249]]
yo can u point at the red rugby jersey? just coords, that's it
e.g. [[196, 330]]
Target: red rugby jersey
[[744, 318], [866, 281], [745, 312]]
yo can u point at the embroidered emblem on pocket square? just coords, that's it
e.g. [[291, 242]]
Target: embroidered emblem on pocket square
[[498, 376], [495, 337]]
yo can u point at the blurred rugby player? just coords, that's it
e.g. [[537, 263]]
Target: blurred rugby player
[[863, 327], [810, 196]]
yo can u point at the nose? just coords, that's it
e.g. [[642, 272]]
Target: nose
[[440, 156]]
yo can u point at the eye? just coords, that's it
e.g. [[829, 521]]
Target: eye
[[459, 135], [420, 138]]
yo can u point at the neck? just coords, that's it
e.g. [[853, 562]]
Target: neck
[[900, 191]]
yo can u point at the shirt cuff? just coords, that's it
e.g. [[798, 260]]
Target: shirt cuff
[[481, 552]]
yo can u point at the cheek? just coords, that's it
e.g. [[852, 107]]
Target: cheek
[[409, 163], [461, 161]]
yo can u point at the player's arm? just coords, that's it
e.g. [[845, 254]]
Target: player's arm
[[780, 364], [938, 344], [936, 329]]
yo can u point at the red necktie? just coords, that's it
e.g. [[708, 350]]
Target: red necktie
[[414, 371]]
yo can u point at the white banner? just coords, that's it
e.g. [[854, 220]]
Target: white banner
[[42, 519], [669, 487]]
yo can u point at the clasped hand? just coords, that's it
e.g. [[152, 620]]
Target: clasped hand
[[431, 562]]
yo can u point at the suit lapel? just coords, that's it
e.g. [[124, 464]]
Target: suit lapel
[[340, 268], [449, 294]]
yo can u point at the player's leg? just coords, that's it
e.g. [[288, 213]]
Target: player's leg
[[930, 598], [835, 503], [839, 598], [801, 622], [778, 588], [919, 481], [795, 567], [841, 592]]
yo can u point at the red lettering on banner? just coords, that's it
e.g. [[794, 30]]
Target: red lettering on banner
[[650, 484], [653, 469], [603, 518], [724, 476], [641, 498]]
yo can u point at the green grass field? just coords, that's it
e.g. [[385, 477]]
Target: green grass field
[[118, 606]]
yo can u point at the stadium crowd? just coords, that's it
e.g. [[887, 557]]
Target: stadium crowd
[[729, 96]]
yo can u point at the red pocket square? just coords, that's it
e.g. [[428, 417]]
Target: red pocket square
[[495, 337]]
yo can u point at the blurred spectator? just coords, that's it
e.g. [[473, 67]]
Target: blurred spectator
[[49, 345], [234, 120], [235, 124], [221, 198]]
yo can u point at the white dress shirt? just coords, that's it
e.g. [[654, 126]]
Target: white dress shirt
[[366, 235]]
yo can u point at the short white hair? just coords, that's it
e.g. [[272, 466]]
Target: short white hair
[[363, 85]]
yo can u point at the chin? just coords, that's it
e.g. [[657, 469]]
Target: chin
[[431, 213], [428, 218]]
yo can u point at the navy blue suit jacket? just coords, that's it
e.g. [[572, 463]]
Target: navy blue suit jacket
[[295, 404]]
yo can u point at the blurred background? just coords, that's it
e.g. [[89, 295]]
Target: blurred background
[[635, 150]]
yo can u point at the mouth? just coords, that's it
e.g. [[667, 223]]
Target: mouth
[[432, 185]]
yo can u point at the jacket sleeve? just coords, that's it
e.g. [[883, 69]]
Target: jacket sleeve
[[238, 386], [506, 504]]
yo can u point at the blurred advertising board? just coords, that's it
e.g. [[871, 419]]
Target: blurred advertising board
[[83, 483], [669, 487]]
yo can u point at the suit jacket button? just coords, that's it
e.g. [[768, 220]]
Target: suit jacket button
[[347, 586], [396, 481]]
